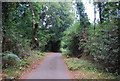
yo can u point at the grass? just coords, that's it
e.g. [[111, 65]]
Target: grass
[[40, 54], [85, 69], [16, 71]]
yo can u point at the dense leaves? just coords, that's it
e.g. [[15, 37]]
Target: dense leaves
[[53, 19], [76, 35], [19, 20], [99, 41], [57, 25], [103, 45]]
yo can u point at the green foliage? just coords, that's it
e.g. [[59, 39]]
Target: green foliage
[[56, 24], [17, 29], [107, 10], [102, 41], [83, 17], [88, 69], [40, 54], [53, 19], [15, 71], [70, 41], [103, 44], [10, 60]]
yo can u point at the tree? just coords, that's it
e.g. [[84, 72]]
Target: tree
[[20, 19], [70, 41], [35, 43], [1, 29], [107, 10], [83, 18], [16, 21], [95, 18], [61, 18], [100, 12], [103, 45]]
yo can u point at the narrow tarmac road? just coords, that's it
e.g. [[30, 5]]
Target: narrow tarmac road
[[52, 67]]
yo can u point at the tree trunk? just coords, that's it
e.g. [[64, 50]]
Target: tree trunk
[[0, 38], [100, 12], [1, 27], [35, 43], [94, 17]]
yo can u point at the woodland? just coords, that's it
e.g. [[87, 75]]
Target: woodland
[[60, 27]]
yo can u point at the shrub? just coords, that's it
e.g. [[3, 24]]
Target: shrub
[[71, 41], [10, 60]]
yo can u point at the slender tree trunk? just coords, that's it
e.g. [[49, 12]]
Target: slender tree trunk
[[100, 12], [94, 18], [1, 27], [1, 39], [35, 43]]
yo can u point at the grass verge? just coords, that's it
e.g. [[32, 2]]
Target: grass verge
[[85, 69]]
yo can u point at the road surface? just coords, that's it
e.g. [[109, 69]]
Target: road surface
[[52, 67]]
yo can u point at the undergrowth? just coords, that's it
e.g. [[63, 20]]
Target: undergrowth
[[87, 69], [14, 72]]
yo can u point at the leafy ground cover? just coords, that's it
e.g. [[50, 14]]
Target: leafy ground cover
[[86, 69], [15, 72]]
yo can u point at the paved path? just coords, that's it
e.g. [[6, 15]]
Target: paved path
[[52, 67]]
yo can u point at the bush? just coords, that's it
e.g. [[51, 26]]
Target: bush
[[71, 41], [10, 60], [103, 45]]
